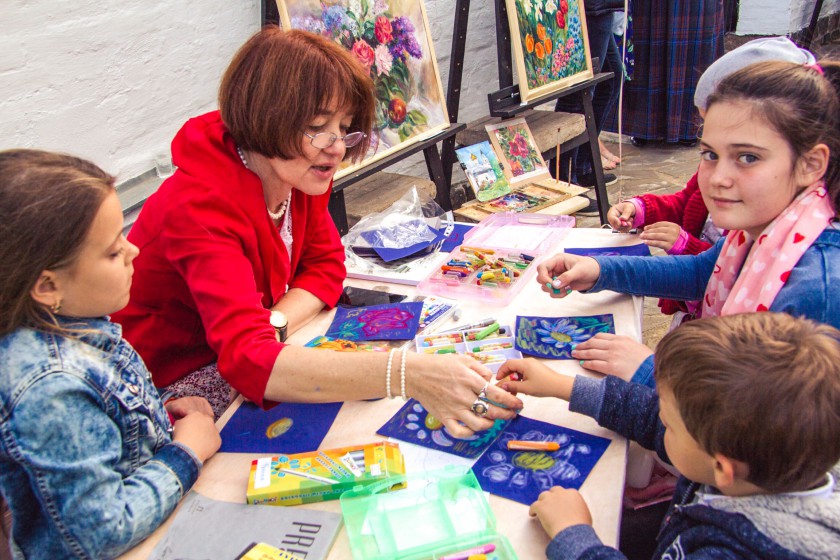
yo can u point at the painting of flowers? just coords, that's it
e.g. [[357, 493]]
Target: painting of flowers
[[555, 337], [391, 39], [517, 149], [550, 45]]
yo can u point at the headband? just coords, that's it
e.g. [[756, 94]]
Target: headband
[[815, 67]]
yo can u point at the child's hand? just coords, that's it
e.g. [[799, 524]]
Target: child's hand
[[558, 509], [531, 377], [621, 216], [182, 406], [612, 354], [562, 273], [197, 431], [661, 234]]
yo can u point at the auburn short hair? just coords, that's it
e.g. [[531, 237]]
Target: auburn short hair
[[762, 388], [279, 81]]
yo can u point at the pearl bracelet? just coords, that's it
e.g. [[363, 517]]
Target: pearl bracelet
[[402, 375], [388, 374]]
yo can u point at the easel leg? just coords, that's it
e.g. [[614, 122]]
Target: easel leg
[[338, 211], [600, 186], [435, 168]]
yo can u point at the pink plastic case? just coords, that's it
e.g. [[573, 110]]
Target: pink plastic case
[[488, 266]]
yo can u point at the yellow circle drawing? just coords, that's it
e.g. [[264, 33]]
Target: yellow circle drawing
[[278, 428], [433, 423], [534, 460]]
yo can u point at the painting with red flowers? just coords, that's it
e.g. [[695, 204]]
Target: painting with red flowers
[[517, 150], [391, 38], [552, 50]]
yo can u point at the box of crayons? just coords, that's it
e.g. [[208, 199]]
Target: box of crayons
[[498, 257], [491, 344], [318, 476]]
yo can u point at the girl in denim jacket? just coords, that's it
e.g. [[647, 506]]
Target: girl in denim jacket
[[90, 460]]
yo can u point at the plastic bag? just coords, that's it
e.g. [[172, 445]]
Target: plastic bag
[[414, 221]]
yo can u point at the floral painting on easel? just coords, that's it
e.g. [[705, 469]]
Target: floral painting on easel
[[391, 39], [555, 337], [550, 45], [517, 149]]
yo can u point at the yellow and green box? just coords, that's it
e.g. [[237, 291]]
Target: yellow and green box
[[318, 476]]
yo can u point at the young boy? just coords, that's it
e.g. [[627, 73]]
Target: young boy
[[749, 413]]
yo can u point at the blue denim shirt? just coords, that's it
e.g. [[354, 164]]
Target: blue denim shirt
[[812, 290], [87, 464]]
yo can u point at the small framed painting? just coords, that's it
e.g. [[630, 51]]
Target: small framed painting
[[392, 39], [550, 45], [483, 170], [517, 150]]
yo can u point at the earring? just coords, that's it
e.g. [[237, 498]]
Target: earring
[[56, 307]]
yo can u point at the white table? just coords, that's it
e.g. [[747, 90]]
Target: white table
[[225, 476]]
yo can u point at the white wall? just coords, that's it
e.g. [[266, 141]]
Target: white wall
[[113, 80], [779, 17]]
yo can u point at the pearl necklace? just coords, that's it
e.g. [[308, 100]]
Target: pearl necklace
[[283, 205]]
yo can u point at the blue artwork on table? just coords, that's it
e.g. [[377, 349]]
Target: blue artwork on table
[[555, 337], [521, 475], [413, 424], [393, 321], [638, 250], [456, 238], [287, 428]]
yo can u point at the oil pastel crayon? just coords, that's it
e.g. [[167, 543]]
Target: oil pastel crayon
[[533, 445], [487, 331], [465, 554]]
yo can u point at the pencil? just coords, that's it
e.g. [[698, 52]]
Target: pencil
[[533, 445]]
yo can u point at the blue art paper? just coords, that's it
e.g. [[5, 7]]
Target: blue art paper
[[413, 424], [521, 475], [554, 337], [390, 243], [394, 321], [639, 250], [456, 238], [287, 428]]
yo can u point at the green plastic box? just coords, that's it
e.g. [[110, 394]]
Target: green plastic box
[[438, 513]]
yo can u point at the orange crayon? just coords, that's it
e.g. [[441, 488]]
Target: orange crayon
[[515, 445]]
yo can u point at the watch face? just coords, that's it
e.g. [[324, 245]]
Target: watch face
[[278, 319]]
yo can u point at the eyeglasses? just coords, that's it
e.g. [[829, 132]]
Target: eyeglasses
[[324, 140]]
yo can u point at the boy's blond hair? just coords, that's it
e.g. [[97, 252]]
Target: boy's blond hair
[[761, 388]]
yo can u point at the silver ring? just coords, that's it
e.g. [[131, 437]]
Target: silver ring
[[482, 395], [480, 408]]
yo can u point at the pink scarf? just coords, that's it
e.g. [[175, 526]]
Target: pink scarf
[[753, 275]]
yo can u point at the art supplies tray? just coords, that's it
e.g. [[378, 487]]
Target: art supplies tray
[[440, 513], [497, 258], [492, 350], [531, 197]]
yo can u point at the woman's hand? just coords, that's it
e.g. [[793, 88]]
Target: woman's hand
[[612, 354], [562, 273], [531, 377], [661, 234], [621, 216], [558, 509], [182, 406], [448, 385], [197, 431]]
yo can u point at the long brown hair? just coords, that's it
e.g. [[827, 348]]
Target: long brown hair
[[279, 81], [801, 102], [47, 204]]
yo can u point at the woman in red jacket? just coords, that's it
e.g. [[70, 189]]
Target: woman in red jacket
[[242, 230]]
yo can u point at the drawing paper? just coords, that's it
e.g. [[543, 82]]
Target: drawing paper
[[521, 475], [554, 337], [395, 321], [286, 428], [413, 424], [640, 249]]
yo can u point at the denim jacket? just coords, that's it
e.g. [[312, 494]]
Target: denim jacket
[[87, 464]]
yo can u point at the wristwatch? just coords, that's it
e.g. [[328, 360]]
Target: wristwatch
[[280, 323]]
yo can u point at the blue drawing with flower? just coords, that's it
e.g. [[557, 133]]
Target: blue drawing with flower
[[556, 337]]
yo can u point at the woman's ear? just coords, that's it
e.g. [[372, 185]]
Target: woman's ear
[[46, 289], [812, 165]]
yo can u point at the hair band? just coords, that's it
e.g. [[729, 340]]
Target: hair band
[[815, 67]]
